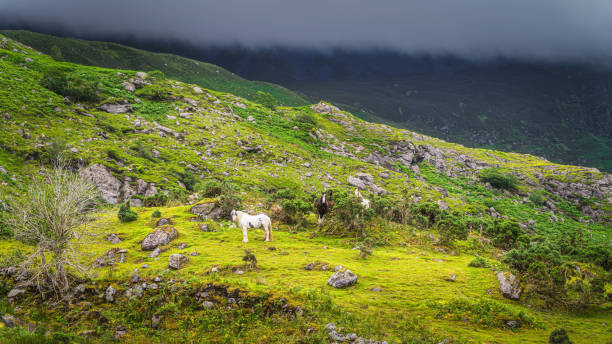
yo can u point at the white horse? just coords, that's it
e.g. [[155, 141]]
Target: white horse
[[246, 221], [364, 201]]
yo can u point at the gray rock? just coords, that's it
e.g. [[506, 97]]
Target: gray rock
[[8, 320], [155, 252], [120, 332], [208, 305], [513, 324], [338, 268], [206, 211], [130, 87], [15, 293], [105, 182], [182, 246], [376, 289], [109, 294], [342, 279], [160, 236], [156, 321], [176, 261], [113, 238], [356, 182], [509, 286], [163, 221], [309, 266], [115, 108]]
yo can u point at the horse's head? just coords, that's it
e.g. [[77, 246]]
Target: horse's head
[[234, 213]]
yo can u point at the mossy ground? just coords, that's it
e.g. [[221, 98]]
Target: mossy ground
[[412, 275]]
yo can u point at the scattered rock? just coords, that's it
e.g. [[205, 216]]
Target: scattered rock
[[208, 305], [342, 279], [120, 332], [176, 261], [109, 258], [161, 236], [15, 293], [356, 182], [451, 278], [113, 238], [156, 321], [163, 221], [309, 266], [109, 294], [513, 324], [509, 286], [155, 252], [8, 320], [182, 246], [376, 289], [107, 184]]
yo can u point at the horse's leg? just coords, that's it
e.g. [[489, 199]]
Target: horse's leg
[[245, 238], [267, 236]]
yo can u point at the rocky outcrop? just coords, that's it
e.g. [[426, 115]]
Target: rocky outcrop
[[342, 279], [108, 184], [112, 190], [159, 237], [509, 286], [206, 211], [112, 256]]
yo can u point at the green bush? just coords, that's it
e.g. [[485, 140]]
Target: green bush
[[160, 199], [154, 92], [559, 336], [156, 76], [156, 214], [227, 203], [482, 311], [294, 210], [498, 179], [537, 197], [348, 216], [190, 181], [451, 227], [210, 188], [79, 86], [479, 262], [126, 214], [505, 233]]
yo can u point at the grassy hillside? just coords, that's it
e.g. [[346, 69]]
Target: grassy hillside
[[111, 55], [436, 207]]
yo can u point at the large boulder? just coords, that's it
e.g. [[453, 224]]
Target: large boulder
[[342, 279], [326, 108], [108, 184], [509, 286], [206, 211], [159, 237], [176, 261]]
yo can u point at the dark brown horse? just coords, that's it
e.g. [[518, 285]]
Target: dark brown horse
[[323, 204]]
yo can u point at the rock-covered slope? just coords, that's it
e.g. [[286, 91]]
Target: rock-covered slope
[[146, 133]]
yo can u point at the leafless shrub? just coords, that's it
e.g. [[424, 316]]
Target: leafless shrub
[[53, 215]]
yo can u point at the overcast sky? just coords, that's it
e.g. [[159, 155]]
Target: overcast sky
[[549, 29]]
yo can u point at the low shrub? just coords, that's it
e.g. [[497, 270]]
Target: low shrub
[[79, 86], [537, 197], [126, 214], [156, 214], [154, 92], [486, 312], [189, 180], [227, 203], [479, 262], [293, 211], [559, 336], [160, 199], [498, 179], [348, 216]]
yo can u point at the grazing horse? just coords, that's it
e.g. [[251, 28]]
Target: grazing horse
[[246, 221], [323, 205], [364, 201]]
